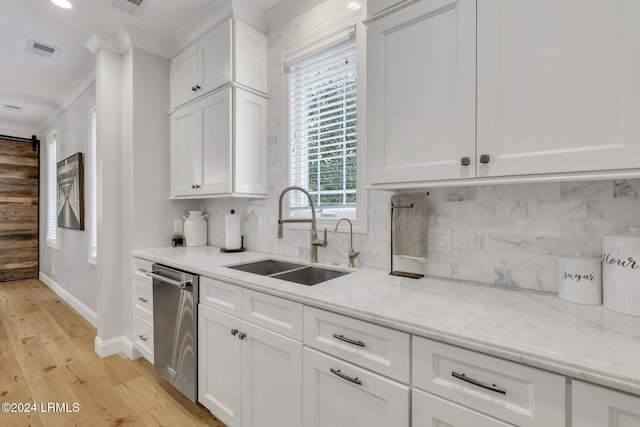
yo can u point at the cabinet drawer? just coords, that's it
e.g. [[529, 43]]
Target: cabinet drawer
[[375, 347], [428, 410], [221, 296], [140, 267], [278, 314], [338, 393], [144, 338], [143, 298], [519, 394]]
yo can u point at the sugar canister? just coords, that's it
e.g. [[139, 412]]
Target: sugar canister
[[621, 272], [580, 279]]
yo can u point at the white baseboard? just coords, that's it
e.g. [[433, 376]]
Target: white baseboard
[[119, 345], [84, 311]]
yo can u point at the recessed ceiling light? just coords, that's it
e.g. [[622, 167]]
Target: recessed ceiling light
[[354, 5], [65, 4]]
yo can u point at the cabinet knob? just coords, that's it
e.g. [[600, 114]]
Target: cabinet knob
[[465, 161], [242, 335], [234, 332], [142, 337], [193, 88], [198, 87], [484, 158]]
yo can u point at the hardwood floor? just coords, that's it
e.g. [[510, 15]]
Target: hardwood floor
[[47, 358]]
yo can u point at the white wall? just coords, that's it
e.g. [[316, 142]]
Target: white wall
[[73, 272]]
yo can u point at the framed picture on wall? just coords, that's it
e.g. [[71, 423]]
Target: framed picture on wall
[[71, 192]]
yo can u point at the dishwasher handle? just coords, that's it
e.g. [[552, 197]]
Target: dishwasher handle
[[176, 283]]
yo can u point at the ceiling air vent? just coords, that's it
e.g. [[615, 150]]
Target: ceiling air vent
[[129, 6], [42, 49], [10, 107]]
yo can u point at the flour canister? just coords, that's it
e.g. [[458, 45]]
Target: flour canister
[[580, 279], [621, 272], [195, 228]]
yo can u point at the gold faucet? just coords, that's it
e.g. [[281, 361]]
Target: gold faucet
[[315, 242], [352, 254]]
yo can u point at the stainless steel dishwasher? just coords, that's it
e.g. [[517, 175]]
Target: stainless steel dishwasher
[[175, 327]]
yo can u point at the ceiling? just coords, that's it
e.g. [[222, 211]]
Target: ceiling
[[35, 83]]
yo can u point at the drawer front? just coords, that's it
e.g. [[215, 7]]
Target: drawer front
[[140, 267], [221, 296], [143, 299], [428, 410], [338, 393], [144, 338], [525, 396], [375, 347], [277, 314]]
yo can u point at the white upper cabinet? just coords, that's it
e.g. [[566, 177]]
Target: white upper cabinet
[[219, 146], [558, 87], [421, 92], [231, 52], [554, 90]]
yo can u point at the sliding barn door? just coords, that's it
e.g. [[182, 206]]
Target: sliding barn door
[[18, 211]]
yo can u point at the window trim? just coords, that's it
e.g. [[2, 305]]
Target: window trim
[[348, 27], [52, 189]]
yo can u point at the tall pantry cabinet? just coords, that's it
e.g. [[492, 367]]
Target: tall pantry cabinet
[[219, 115]]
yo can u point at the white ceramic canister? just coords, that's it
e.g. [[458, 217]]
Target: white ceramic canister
[[580, 279], [621, 272], [195, 228]]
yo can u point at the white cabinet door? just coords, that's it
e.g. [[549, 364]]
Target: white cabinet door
[[271, 379], [250, 147], [215, 127], [557, 85], [428, 410], [184, 76], [251, 57], [339, 394], [421, 92], [595, 406], [186, 151], [214, 58], [219, 365]]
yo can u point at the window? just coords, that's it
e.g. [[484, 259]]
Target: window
[[52, 191], [93, 188], [322, 123]]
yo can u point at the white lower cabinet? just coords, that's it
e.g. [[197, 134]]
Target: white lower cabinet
[[142, 309], [595, 406], [341, 394], [248, 376], [428, 410]]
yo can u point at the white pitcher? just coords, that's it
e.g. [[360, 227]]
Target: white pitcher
[[195, 228]]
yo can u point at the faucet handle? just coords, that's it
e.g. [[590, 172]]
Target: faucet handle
[[323, 242], [352, 257]]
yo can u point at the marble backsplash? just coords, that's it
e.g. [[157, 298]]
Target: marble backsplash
[[505, 235]]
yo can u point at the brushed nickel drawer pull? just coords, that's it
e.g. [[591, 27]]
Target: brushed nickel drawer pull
[[348, 340], [491, 387], [345, 377], [144, 300], [142, 337]]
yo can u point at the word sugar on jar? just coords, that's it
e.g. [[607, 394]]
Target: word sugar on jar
[[621, 272], [580, 279]]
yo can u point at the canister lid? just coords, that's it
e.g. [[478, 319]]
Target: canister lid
[[579, 256], [632, 233]]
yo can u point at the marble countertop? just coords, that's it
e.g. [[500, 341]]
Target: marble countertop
[[537, 329]]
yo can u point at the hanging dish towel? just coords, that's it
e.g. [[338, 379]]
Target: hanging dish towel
[[409, 225]]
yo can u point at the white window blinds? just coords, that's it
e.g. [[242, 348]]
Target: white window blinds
[[52, 191], [323, 129], [93, 250]]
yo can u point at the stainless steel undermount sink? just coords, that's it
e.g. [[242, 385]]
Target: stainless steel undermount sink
[[289, 271]]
